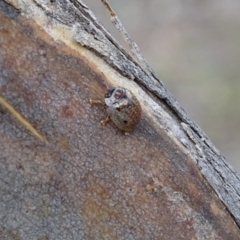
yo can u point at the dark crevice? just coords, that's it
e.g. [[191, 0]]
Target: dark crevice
[[9, 9]]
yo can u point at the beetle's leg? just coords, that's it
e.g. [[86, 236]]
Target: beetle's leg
[[105, 121], [92, 101]]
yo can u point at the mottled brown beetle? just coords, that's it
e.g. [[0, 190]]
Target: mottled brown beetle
[[123, 108]]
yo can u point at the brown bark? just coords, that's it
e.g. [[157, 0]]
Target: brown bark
[[164, 181]]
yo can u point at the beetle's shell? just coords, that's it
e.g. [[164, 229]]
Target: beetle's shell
[[123, 108]]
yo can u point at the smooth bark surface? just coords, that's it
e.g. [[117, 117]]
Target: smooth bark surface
[[164, 181]]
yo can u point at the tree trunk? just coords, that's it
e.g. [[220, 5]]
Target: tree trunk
[[166, 180]]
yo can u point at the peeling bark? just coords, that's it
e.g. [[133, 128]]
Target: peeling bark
[[164, 181]]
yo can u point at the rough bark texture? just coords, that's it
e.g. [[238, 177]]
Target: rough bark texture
[[164, 181]]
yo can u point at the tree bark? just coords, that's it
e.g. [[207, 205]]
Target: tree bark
[[164, 181]]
